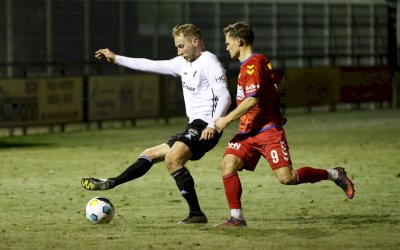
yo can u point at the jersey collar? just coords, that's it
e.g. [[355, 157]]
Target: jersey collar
[[248, 58]]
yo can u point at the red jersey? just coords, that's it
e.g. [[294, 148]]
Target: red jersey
[[258, 79]]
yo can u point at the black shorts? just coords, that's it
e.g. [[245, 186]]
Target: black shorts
[[191, 137]]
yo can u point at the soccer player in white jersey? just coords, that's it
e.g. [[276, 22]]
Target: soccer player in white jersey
[[206, 98]]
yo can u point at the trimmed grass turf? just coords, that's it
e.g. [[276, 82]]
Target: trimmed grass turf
[[43, 203]]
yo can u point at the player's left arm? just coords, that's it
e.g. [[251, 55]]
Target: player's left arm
[[216, 76]]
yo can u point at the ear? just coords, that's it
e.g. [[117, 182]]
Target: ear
[[195, 41], [240, 42]]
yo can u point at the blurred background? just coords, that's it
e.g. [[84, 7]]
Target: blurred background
[[329, 51], [53, 37]]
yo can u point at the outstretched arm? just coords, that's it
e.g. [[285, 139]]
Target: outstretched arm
[[105, 53], [165, 67]]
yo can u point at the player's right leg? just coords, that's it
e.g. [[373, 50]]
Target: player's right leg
[[233, 190], [134, 171]]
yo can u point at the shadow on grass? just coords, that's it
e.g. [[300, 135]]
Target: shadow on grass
[[351, 219], [5, 145], [312, 227]]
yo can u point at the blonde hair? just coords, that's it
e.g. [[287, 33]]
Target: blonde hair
[[187, 30]]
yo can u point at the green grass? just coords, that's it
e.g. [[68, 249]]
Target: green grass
[[43, 203]]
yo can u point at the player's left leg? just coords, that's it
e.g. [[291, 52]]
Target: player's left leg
[[286, 175], [277, 154], [175, 160]]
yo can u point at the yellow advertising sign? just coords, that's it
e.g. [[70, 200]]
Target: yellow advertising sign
[[26, 102], [310, 87], [61, 100]]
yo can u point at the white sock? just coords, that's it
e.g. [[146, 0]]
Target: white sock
[[237, 213], [333, 174]]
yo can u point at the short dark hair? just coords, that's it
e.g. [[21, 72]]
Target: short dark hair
[[240, 30]]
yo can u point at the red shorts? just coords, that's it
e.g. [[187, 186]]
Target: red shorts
[[270, 143]]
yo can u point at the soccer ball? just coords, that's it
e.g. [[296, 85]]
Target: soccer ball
[[99, 210]]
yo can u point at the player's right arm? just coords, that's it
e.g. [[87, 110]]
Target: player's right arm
[[245, 106], [165, 67]]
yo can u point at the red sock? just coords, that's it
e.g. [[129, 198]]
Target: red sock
[[233, 190], [310, 175]]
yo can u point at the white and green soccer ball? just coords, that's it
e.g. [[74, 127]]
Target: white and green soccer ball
[[99, 210]]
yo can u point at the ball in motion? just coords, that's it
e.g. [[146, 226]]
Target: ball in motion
[[99, 210]]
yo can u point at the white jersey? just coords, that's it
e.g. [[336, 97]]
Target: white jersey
[[204, 83]]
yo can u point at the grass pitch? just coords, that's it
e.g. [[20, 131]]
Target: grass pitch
[[43, 203]]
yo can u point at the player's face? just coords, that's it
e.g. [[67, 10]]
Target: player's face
[[232, 46], [185, 47]]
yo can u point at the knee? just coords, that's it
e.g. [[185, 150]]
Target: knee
[[286, 175], [155, 154], [170, 161], [174, 161], [223, 167], [287, 180], [148, 153], [228, 167]]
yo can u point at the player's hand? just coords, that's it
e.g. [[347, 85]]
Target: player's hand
[[105, 53], [207, 134], [221, 123]]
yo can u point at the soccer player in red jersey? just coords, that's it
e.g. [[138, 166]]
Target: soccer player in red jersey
[[260, 130]]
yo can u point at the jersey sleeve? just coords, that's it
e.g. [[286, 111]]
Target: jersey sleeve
[[216, 76], [254, 74], [276, 76], [165, 67]]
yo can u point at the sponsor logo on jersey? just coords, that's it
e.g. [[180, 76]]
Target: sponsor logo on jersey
[[194, 74], [191, 89], [220, 78], [234, 145], [251, 87], [250, 69]]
